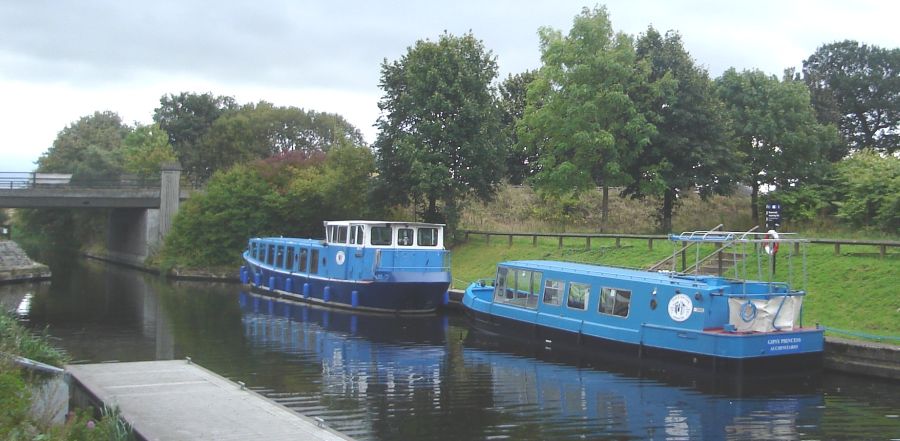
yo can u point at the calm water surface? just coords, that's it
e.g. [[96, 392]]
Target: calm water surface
[[435, 378]]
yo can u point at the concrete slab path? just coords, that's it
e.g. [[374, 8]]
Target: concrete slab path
[[176, 400]]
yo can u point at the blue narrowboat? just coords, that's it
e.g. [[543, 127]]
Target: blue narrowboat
[[717, 319], [395, 267]]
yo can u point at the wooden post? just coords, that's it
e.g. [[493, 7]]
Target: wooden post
[[510, 240], [618, 243], [837, 249], [883, 250], [560, 241], [796, 247], [488, 238], [467, 236], [650, 244], [534, 240], [587, 242], [719, 257]]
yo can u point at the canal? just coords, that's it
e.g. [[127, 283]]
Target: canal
[[434, 378]]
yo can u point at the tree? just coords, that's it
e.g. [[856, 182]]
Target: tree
[[521, 160], [581, 111], [439, 126], [187, 117], [83, 142], [257, 131], [857, 87], [775, 128], [689, 149], [145, 149]]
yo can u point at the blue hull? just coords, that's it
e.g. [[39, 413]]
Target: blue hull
[[396, 292]]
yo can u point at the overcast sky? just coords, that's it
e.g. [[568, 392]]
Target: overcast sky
[[61, 60]]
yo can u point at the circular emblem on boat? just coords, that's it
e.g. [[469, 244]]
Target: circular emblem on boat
[[339, 258], [680, 307]]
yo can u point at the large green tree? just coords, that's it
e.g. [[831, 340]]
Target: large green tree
[[521, 159], [857, 86], [439, 126], [869, 184], [89, 150], [86, 146], [689, 149], [145, 149], [581, 112], [256, 131], [775, 128], [187, 117]]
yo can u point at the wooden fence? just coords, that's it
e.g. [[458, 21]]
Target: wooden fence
[[882, 245]]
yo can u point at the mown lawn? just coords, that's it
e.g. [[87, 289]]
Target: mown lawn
[[856, 291]]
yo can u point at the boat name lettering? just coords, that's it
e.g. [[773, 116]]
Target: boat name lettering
[[784, 341]]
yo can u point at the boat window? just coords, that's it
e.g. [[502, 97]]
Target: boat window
[[356, 234], [270, 255], [615, 301], [381, 236], [252, 249], [342, 234], [405, 236], [428, 237], [578, 295], [279, 256], [329, 234], [534, 290], [314, 261], [289, 264], [301, 261], [500, 287], [553, 292]]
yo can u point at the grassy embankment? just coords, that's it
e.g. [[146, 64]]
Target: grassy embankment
[[856, 291], [17, 420]]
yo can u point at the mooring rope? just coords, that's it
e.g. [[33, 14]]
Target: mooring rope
[[863, 334]]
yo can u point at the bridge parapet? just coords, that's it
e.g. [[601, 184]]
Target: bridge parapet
[[30, 180]]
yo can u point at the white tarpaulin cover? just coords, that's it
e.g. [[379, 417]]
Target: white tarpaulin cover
[[761, 320]]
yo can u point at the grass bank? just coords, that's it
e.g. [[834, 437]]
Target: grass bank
[[855, 291], [18, 421]]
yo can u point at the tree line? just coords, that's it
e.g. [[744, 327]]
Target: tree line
[[604, 109]]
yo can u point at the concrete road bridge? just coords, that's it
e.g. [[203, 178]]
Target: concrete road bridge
[[140, 210]]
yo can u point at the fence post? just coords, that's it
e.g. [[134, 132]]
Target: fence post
[[837, 249], [650, 244], [796, 247], [883, 250], [560, 241], [618, 243], [534, 240], [510, 240], [467, 236], [488, 238], [587, 242]]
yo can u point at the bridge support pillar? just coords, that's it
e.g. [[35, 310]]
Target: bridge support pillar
[[169, 197]]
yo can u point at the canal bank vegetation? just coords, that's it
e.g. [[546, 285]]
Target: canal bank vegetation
[[20, 418]]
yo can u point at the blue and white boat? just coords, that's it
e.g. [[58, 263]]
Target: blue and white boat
[[725, 320], [396, 267]]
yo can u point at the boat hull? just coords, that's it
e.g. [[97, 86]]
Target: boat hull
[[565, 341], [409, 292]]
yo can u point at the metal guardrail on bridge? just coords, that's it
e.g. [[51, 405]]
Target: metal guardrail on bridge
[[882, 245], [32, 180]]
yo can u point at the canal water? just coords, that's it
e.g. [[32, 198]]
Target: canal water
[[434, 377]]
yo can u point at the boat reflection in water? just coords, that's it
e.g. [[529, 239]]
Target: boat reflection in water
[[433, 378]]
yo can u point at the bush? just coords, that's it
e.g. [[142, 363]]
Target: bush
[[869, 184]]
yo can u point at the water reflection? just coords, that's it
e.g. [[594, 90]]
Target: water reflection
[[524, 398], [387, 378]]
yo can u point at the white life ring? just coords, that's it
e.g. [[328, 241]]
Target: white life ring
[[339, 258], [771, 242]]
